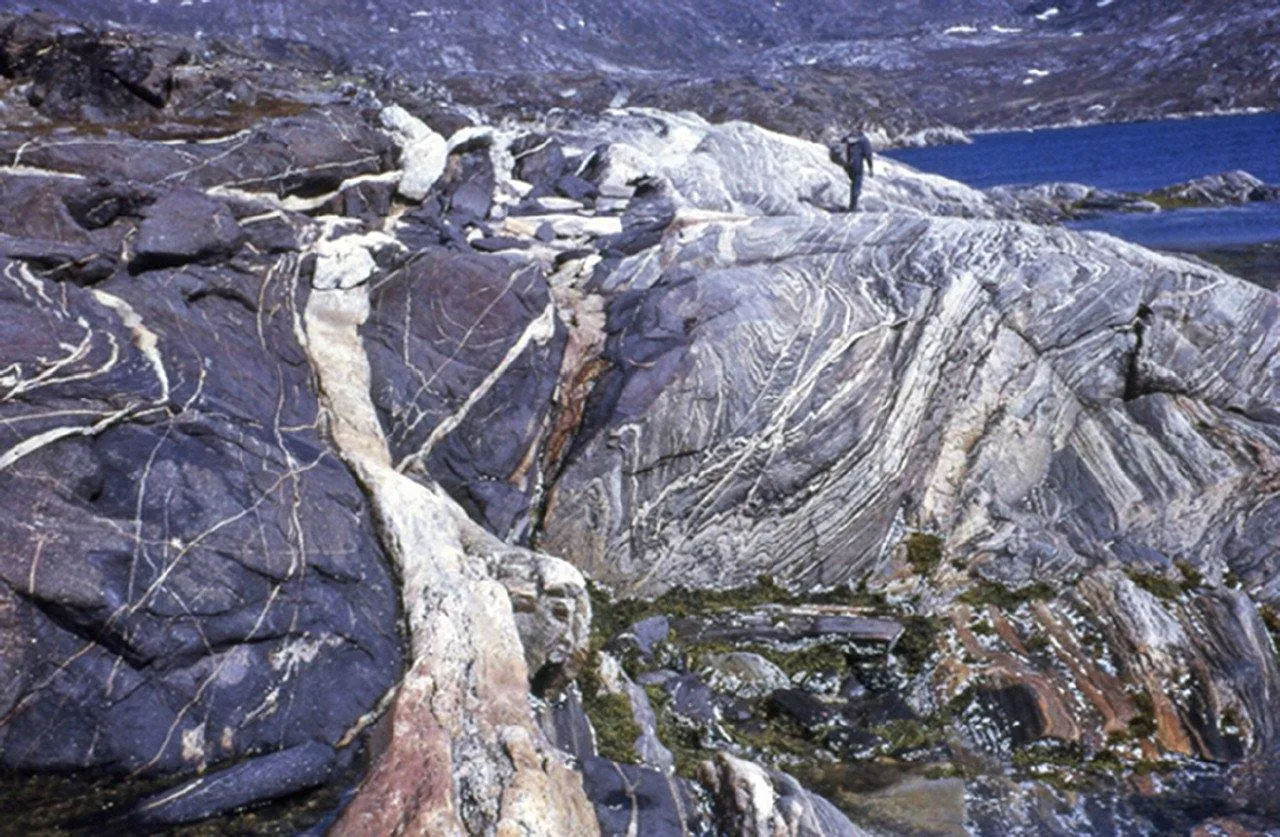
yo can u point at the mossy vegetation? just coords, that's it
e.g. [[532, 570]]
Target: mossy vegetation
[[67, 804], [758, 727], [610, 715], [616, 730], [680, 737], [1159, 586], [1271, 618], [1050, 751], [985, 592], [1162, 586], [1143, 724], [1191, 577], [1037, 642], [774, 738], [924, 552], [905, 735], [1067, 765], [821, 656], [918, 643]]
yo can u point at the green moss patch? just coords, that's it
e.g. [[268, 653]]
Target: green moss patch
[[918, 642], [985, 593], [1157, 585], [610, 715], [1143, 724], [924, 552]]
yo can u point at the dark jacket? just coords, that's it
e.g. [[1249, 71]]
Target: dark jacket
[[856, 151]]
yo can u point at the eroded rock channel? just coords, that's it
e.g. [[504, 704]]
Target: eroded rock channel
[[603, 477]]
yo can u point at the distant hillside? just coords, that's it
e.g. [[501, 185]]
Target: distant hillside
[[804, 67]]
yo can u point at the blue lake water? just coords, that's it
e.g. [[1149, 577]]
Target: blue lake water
[[1133, 157]]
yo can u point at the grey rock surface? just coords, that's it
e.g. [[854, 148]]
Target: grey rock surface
[[969, 63], [900, 339], [1232, 187]]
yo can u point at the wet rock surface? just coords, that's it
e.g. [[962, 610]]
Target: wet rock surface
[[925, 519]]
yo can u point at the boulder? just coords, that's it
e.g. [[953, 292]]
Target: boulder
[[183, 227], [307, 155], [743, 674], [77, 73], [483, 342], [540, 161], [753, 801]]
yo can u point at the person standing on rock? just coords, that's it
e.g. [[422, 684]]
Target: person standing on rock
[[856, 150]]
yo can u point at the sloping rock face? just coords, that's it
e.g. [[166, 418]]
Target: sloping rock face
[[214, 582], [739, 169], [916, 350], [188, 566]]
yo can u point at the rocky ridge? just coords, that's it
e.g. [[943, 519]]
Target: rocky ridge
[[1048, 202], [905, 67], [312, 398]]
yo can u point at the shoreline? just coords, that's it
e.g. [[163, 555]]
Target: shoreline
[[1084, 123]]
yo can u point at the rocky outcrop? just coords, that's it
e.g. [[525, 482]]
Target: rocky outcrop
[[206, 530], [1232, 187], [906, 66], [640, 492], [189, 567], [947, 513], [748, 324], [76, 73], [1048, 202]]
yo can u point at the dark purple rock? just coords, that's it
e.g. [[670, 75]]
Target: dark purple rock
[[636, 800], [566, 725], [692, 698], [95, 204], [540, 161], [645, 219], [83, 264], [804, 708], [188, 569], [466, 188], [439, 327], [577, 188], [182, 227], [78, 74], [272, 776], [1014, 710], [493, 244], [649, 632], [369, 201], [310, 154]]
